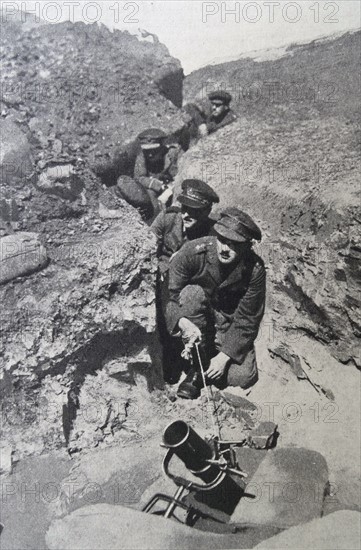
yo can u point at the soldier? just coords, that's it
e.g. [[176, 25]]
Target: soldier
[[155, 168], [174, 227], [177, 225], [221, 113], [217, 298], [206, 121]]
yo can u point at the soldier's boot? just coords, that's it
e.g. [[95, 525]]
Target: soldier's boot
[[191, 386]]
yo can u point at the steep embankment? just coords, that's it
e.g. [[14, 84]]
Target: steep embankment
[[292, 160], [77, 291]]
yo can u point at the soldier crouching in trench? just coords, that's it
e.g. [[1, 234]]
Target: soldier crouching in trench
[[217, 289], [207, 120], [174, 227], [155, 167]]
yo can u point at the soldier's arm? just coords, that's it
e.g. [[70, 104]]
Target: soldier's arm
[[140, 175], [158, 227], [181, 270], [172, 161], [248, 315]]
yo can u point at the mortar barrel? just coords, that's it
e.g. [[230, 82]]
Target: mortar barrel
[[188, 446]]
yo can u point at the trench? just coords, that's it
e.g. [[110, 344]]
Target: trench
[[85, 364]]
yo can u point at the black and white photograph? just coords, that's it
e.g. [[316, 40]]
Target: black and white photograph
[[180, 277]]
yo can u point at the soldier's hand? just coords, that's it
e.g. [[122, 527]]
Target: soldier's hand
[[203, 130], [166, 195], [190, 332], [217, 366]]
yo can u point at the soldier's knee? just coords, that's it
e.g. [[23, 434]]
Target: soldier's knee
[[244, 374], [192, 293]]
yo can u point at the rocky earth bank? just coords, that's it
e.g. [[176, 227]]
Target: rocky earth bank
[[77, 263]]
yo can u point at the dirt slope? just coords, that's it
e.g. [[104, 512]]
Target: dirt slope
[[294, 164], [73, 99]]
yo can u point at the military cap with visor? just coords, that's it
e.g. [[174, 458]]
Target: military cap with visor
[[220, 97], [152, 138], [197, 194], [237, 226]]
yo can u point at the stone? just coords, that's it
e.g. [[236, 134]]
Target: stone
[[61, 180], [263, 436], [15, 158], [21, 254], [236, 398], [6, 460], [339, 531], [287, 488], [9, 211], [109, 213], [245, 409], [115, 527]]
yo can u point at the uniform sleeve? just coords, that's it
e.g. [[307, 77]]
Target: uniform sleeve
[[172, 161], [244, 328], [181, 270], [140, 175], [158, 227], [140, 168]]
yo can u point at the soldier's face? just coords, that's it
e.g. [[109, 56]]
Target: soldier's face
[[154, 154], [228, 251], [193, 216], [218, 109]]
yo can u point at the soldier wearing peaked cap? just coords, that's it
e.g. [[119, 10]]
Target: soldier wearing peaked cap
[[155, 167], [206, 120], [221, 114], [173, 228], [177, 225], [217, 299]]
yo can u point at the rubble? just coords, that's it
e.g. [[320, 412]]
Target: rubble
[[74, 98]]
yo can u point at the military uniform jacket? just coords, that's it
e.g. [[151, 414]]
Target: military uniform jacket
[[213, 125], [166, 169], [168, 228], [239, 298]]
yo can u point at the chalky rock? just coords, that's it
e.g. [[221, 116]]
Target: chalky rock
[[61, 180], [15, 159], [287, 489], [21, 254], [339, 531], [5, 460], [115, 527]]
